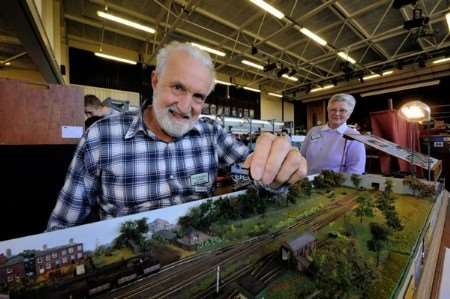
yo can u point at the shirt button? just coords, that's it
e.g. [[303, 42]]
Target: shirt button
[[171, 177]]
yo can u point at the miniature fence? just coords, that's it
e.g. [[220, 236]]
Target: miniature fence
[[409, 273]]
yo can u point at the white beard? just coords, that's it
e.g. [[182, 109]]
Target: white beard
[[170, 125]]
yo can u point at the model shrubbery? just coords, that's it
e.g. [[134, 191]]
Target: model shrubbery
[[419, 188]]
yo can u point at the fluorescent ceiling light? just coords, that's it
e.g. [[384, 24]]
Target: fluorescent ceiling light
[[373, 76], [322, 88], [441, 60], [210, 50], [114, 58], [126, 22], [224, 82], [290, 77], [269, 8], [252, 89], [346, 57], [275, 95], [7, 63], [252, 64], [447, 16], [313, 36]]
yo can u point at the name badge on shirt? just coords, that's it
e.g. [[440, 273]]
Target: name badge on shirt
[[198, 179], [315, 136]]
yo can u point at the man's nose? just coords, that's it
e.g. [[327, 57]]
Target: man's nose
[[185, 104]]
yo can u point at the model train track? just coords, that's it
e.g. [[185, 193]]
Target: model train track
[[172, 279]]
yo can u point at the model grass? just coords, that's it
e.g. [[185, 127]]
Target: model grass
[[381, 232]]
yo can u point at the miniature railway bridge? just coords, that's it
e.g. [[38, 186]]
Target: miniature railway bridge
[[179, 276]]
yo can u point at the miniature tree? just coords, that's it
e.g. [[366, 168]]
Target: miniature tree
[[341, 271], [392, 219], [380, 234], [327, 179], [365, 207], [291, 198], [387, 207], [306, 186], [356, 180], [132, 234]]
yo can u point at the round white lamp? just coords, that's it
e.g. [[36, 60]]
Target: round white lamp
[[415, 112]]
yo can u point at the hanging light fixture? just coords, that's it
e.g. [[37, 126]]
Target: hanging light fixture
[[415, 111]]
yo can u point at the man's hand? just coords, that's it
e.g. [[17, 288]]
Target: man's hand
[[275, 162]]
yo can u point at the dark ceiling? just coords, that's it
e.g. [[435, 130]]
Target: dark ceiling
[[371, 32]]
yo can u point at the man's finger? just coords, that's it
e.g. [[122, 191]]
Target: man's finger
[[248, 161], [260, 155], [291, 164], [278, 153], [297, 176]]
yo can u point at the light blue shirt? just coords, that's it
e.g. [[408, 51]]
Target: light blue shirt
[[326, 148]]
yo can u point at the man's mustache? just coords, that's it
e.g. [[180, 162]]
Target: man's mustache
[[183, 115]]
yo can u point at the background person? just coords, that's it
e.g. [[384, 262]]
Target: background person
[[94, 107], [164, 155], [324, 146]]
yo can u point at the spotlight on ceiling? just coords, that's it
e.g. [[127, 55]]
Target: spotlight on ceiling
[[282, 71], [347, 67], [292, 73], [421, 61], [417, 20], [307, 89], [270, 66], [399, 3]]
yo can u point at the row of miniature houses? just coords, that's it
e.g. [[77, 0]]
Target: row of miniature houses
[[32, 263]]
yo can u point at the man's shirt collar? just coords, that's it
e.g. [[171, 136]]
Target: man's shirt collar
[[137, 125]]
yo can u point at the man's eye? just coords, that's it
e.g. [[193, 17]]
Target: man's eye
[[199, 98], [178, 87]]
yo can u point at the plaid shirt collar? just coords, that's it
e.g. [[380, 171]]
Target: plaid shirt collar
[[138, 125]]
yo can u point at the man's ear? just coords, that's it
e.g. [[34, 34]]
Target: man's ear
[[154, 79]]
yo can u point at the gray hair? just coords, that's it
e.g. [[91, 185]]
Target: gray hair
[[194, 52], [348, 99]]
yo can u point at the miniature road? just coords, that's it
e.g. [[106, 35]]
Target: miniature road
[[185, 273]]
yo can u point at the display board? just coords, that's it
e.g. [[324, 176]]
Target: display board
[[396, 150]]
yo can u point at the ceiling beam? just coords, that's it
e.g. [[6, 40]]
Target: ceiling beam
[[342, 13], [24, 16], [437, 17]]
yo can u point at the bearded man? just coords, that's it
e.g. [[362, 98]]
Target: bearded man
[[164, 155]]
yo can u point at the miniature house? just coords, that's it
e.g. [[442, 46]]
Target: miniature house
[[298, 249], [192, 238], [249, 287]]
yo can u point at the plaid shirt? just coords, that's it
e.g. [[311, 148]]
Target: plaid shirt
[[120, 168]]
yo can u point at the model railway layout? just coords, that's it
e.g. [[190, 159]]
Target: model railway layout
[[252, 244]]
